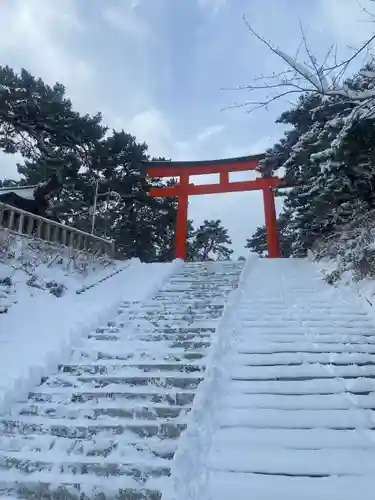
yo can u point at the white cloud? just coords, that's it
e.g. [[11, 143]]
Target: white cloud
[[152, 127], [33, 35], [210, 132], [127, 19]]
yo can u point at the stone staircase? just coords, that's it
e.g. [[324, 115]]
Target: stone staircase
[[296, 417], [107, 424]]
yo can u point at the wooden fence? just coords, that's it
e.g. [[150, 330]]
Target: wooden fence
[[27, 224]]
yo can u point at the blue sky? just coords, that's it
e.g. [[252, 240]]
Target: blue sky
[[156, 68]]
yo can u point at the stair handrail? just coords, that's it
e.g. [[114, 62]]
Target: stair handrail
[[27, 224]]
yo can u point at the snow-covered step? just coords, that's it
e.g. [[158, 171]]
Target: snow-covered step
[[61, 485], [102, 447], [243, 486], [150, 395], [302, 402], [333, 346], [307, 386], [85, 428], [115, 409], [143, 342], [107, 424], [295, 411], [314, 339], [299, 439], [297, 419], [116, 365], [305, 463], [284, 322], [292, 358], [302, 371], [110, 351]]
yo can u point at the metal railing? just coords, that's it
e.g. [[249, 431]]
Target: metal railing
[[27, 224]]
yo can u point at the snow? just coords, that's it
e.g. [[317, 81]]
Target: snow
[[31, 268], [187, 472], [110, 417], [320, 83], [339, 258], [279, 461], [39, 332], [315, 79], [286, 406], [284, 410], [26, 192], [238, 486]]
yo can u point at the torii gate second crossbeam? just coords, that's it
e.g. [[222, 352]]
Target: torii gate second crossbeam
[[184, 189]]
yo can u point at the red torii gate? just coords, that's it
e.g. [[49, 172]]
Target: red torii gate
[[182, 190]]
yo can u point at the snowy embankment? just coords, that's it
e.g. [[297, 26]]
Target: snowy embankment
[[29, 269], [188, 470], [362, 285], [347, 257], [39, 330]]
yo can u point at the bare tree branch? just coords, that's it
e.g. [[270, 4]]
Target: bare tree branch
[[270, 86], [319, 70], [365, 10], [303, 72], [308, 76], [345, 64], [267, 102]]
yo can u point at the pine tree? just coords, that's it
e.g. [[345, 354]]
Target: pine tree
[[210, 242], [338, 183], [328, 157], [39, 122]]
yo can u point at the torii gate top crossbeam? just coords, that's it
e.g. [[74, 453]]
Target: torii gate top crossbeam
[[205, 167]]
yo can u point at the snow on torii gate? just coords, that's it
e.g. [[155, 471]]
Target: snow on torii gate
[[182, 190]]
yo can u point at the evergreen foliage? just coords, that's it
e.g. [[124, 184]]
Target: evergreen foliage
[[210, 241], [38, 121], [328, 156]]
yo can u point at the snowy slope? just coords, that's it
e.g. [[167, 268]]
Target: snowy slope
[[106, 424], [291, 413], [38, 332], [30, 269], [191, 381]]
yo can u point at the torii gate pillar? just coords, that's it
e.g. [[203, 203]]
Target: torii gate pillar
[[184, 189], [273, 243], [182, 217]]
